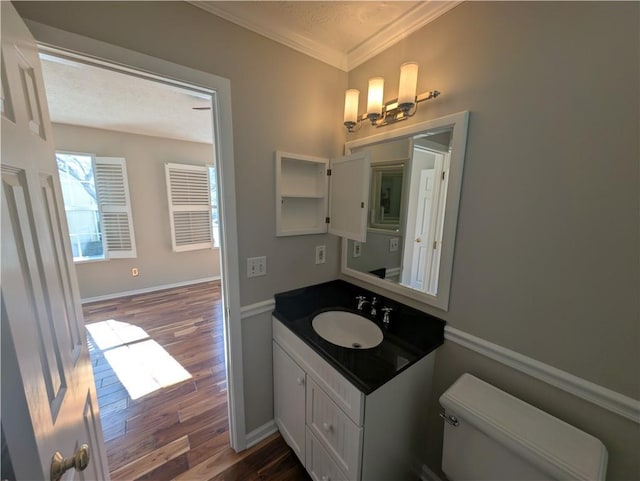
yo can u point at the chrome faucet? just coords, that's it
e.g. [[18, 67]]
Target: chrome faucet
[[386, 320], [361, 302]]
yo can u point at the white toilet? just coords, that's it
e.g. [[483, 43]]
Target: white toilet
[[491, 435]]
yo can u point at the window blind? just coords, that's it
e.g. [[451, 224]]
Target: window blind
[[189, 196], [112, 189]]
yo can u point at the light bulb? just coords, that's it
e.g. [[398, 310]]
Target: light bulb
[[351, 98], [374, 101], [407, 88]]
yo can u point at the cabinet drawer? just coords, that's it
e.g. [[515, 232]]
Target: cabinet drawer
[[333, 428], [319, 464], [345, 394]]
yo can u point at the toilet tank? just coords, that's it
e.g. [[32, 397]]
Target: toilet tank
[[500, 437]]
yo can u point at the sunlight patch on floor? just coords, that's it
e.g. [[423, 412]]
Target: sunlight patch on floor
[[141, 364]]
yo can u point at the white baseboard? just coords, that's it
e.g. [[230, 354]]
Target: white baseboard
[[147, 290], [263, 432], [605, 398], [428, 475]]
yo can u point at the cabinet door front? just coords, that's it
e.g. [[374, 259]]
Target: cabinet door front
[[289, 400]]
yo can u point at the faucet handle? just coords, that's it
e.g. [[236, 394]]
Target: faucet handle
[[361, 301], [386, 320]]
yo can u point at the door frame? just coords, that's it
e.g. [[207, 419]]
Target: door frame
[[62, 43]]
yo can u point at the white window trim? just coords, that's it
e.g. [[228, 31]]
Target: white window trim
[[106, 207], [109, 254], [204, 205]]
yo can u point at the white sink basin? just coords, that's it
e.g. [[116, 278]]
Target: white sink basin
[[346, 329]]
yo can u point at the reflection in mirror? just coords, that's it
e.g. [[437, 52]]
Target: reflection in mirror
[[386, 196], [415, 189]]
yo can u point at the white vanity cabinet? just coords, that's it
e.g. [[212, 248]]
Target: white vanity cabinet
[[338, 432]]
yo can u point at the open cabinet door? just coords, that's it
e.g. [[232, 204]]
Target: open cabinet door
[[349, 196], [48, 397]]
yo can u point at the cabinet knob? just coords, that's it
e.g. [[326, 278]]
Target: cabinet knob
[[327, 427], [300, 381]]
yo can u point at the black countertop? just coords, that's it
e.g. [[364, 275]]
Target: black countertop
[[412, 335]]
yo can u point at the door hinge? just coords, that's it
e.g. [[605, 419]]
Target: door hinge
[[327, 220], [435, 244], [443, 175], [362, 205], [329, 172]]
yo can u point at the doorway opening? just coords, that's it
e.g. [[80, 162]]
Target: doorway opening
[[158, 347]]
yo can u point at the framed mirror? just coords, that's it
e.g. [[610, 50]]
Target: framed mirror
[[416, 179]]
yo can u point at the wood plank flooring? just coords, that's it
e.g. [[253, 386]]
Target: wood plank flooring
[[179, 431]]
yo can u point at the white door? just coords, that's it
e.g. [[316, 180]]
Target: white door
[[421, 257], [421, 251], [349, 196], [48, 396]]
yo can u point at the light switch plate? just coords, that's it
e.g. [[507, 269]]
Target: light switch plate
[[320, 254], [357, 249], [256, 266], [393, 244]]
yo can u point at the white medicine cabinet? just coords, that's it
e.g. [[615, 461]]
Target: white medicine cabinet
[[315, 195]]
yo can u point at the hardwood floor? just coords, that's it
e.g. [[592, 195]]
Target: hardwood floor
[[179, 431]]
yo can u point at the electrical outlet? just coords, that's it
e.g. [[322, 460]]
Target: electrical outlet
[[357, 249], [393, 244], [135, 272], [256, 266], [320, 254]]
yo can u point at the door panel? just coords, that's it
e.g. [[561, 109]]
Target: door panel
[[48, 397], [349, 197]]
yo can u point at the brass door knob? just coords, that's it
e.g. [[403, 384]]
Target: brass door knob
[[60, 465]]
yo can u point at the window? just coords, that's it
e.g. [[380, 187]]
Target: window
[[193, 209], [96, 200]]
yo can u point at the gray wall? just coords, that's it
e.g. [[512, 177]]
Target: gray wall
[[547, 249], [375, 253], [281, 100], [546, 259], [156, 261]]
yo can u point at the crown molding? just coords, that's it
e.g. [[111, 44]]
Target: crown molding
[[286, 37], [413, 20]]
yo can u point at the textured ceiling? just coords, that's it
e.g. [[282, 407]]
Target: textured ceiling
[[342, 34], [80, 94]]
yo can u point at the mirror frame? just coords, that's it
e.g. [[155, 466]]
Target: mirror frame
[[459, 122]]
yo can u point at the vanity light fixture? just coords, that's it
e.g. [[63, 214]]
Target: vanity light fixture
[[381, 113]]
